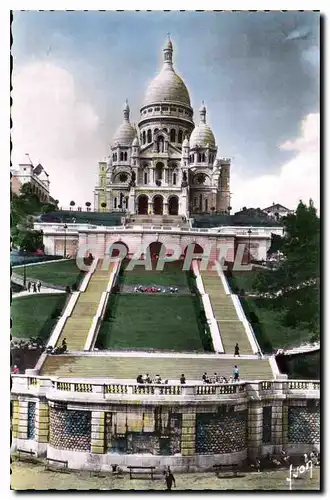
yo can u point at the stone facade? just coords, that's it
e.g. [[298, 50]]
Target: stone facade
[[194, 431], [166, 165]]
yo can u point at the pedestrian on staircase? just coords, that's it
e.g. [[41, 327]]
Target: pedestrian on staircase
[[39, 286], [236, 374], [236, 353], [29, 286], [34, 288]]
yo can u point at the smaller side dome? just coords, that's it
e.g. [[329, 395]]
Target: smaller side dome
[[126, 132], [202, 135], [136, 142], [185, 143]]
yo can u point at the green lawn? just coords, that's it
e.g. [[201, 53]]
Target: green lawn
[[151, 322], [32, 314], [57, 273], [171, 275]]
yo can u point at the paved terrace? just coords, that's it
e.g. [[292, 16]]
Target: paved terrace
[[129, 365]]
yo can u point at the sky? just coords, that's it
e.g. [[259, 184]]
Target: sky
[[258, 74]]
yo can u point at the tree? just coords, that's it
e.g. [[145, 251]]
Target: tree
[[88, 204], [103, 204], [293, 287], [276, 244], [72, 204]]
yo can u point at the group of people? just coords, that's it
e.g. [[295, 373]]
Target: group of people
[[58, 350], [34, 287], [155, 289], [218, 379], [157, 379]]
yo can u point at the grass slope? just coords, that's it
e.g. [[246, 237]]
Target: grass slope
[[58, 273], [171, 275], [35, 315], [269, 329], [151, 322]]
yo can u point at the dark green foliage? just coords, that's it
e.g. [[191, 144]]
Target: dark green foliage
[[297, 277]]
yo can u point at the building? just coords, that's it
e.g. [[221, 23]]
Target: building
[[276, 211], [37, 176], [166, 164]]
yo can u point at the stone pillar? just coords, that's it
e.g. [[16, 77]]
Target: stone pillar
[[42, 422], [15, 419], [165, 208], [285, 424], [277, 425], [97, 437], [255, 424], [23, 420], [150, 208], [188, 433], [131, 201]]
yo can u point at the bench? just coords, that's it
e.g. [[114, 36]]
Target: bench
[[49, 461], [226, 467], [27, 452], [136, 469]]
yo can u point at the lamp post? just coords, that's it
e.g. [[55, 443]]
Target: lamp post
[[249, 248], [65, 227], [24, 269]]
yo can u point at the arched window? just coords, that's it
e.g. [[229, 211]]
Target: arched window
[[125, 156], [143, 137], [195, 202], [180, 137], [199, 157], [174, 178], [126, 202], [149, 138], [203, 156], [165, 130], [172, 136], [115, 203], [156, 130], [145, 177], [121, 156], [200, 202], [206, 205]]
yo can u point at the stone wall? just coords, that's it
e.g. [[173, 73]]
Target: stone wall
[[304, 422], [70, 429]]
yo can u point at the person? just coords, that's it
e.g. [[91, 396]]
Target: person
[[64, 345], [169, 479], [236, 353], [34, 288], [29, 286], [139, 379], [15, 370], [204, 378], [158, 379], [39, 286], [236, 374], [182, 379], [148, 379]]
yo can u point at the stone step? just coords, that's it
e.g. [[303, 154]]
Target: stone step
[[168, 368]]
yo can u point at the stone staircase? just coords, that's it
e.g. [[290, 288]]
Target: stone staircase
[[78, 324], [121, 367], [231, 328]]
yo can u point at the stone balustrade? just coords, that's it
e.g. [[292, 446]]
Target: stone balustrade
[[41, 385]]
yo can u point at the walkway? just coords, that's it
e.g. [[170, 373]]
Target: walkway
[[43, 289], [78, 324], [171, 367], [231, 328]]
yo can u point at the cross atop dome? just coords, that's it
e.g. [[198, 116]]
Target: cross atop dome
[[126, 110]]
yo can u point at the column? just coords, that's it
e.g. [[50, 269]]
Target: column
[[150, 208], [97, 437], [151, 176], [285, 424], [277, 425], [23, 420], [42, 422], [15, 419], [188, 433], [255, 423], [165, 208]]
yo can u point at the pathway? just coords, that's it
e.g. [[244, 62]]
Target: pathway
[[44, 289]]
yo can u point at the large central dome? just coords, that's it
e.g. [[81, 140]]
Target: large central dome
[[167, 86]]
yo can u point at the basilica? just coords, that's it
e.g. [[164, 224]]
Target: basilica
[[167, 164]]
